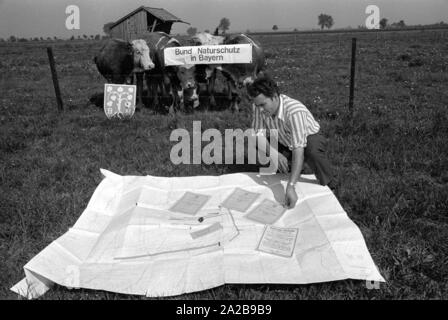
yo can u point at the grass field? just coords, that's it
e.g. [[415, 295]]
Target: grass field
[[391, 157]]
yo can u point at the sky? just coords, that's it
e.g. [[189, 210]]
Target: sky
[[46, 18]]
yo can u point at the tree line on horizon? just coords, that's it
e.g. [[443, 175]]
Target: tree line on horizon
[[324, 21], [83, 37]]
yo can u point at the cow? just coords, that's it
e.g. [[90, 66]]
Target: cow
[[237, 75], [119, 60], [206, 39], [178, 81], [207, 73]]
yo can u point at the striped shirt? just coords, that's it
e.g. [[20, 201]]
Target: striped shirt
[[293, 121]]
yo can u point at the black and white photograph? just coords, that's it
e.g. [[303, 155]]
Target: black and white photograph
[[249, 151]]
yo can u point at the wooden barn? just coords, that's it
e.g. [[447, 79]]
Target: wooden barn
[[141, 20]]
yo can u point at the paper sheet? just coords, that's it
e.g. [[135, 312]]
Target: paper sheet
[[278, 241], [267, 212], [114, 245], [240, 200], [206, 231], [190, 203]]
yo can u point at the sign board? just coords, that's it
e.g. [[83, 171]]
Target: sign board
[[119, 100], [216, 54]]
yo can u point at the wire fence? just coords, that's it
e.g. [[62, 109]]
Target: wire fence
[[312, 67], [316, 67]]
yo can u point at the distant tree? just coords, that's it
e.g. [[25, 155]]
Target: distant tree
[[296, 30], [72, 38], [36, 39], [55, 38], [325, 21], [321, 20], [399, 24], [22, 40], [208, 31], [383, 23], [106, 28], [84, 36], [192, 31], [330, 22], [97, 37], [41, 39], [2, 40], [216, 31], [12, 39], [49, 39], [247, 31], [79, 37], [275, 28], [224, 25]]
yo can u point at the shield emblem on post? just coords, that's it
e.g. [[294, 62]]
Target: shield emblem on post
[[119, 100]]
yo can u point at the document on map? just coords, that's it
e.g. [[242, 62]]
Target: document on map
[[266, 212], [206, 231], [190, 203], [240, 200], [278, 241]]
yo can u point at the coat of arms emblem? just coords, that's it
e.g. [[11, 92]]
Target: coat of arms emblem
[[119, 100]]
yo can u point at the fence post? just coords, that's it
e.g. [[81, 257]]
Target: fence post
[[352, 76], [55, 79]]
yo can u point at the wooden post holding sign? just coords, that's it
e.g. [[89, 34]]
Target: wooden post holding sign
[[352, 76], [55, 79]]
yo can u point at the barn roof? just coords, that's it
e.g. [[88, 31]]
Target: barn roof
[[159, 13]]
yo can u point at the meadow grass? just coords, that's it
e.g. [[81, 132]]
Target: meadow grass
[[390, 156]]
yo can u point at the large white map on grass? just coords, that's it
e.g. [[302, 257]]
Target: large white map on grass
[[128, 240]]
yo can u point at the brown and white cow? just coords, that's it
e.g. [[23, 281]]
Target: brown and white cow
[[178, 81], [119, 60]]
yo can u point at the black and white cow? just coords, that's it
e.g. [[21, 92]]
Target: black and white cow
[[177, 82], [207, 73], [237, 75]]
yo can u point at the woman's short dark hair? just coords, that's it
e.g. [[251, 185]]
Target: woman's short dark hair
[[263, 85]]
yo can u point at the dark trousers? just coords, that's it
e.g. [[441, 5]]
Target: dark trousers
[[315, 155]]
